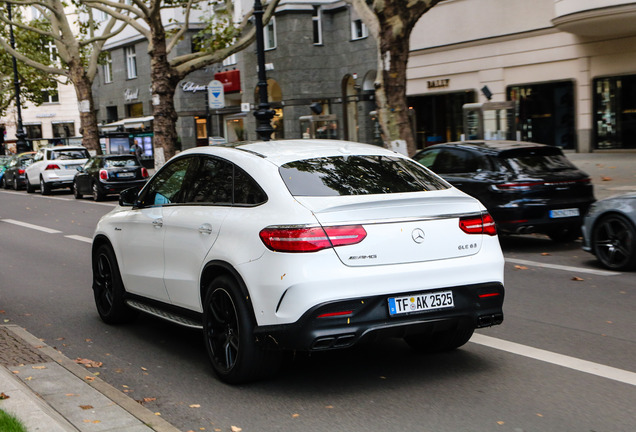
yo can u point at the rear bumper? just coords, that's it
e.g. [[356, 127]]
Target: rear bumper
[[113, 188], [369, 317]]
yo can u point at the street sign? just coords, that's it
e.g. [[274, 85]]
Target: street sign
[[216, 95]]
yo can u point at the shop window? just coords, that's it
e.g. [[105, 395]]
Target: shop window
[[135, 110], [201, 125], [545, 113], [33, 131], [615, 112], [63, 130]]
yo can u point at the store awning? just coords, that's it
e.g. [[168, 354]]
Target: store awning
[[127, 123]]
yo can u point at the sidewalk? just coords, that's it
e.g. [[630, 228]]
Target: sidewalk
[[612, 173], [51, 393]]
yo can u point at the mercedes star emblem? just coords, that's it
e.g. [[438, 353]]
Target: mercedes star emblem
[[417, 235]]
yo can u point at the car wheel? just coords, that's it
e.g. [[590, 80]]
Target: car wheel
[[3, 183], [44, 188], [108, 288], [76, 192], [16, 185], [439, 342], [565, 234], [228, 331], [97, 194], [29, 187], [614, 242]]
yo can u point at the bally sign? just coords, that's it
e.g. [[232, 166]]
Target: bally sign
[[216, 95], [441, 83]]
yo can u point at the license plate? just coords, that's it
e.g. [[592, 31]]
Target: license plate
[[420, 302], [125, 175], [561, 213]]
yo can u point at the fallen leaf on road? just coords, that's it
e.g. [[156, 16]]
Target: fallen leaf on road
[[545, 254], [520, 267], [606, 178], [195, 406], [60, 338], [329, 407], [89, 378], [236, 429], [4, 396], [539, 415], [143, 368], [88, 363], [157, 413], [500, 423], [38, 367], [576, 278], [86, 407], [151, 399]]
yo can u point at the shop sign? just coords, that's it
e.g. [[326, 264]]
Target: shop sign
[[441, 83], [231, 80], [216, 95], [131, 94], [189, 86]]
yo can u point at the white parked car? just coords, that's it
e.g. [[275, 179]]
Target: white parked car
[[54, 168], [299, 245]]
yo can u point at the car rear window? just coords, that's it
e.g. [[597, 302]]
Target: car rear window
[[70, 154], [119, 162], [357, 175], [535, 161]]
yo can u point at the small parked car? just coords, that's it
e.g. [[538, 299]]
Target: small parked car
[[526, 187], [609, 231], [55, 167], [4, 160], [14, 171], [304, 245], [107, 175]]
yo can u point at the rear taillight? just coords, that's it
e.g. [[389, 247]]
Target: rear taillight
[[144, 172], [310, 239], [52, 167], [480, 224], [517, 186], [103, 174], [20, 171]]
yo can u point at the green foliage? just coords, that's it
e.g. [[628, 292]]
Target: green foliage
[[32, 81], [219, 31], [9, 423]]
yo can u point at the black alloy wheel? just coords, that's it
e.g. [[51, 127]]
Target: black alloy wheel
[[98, 195], [76, 193], [614, 242], [16, 185], [108, 288], [228, 331]]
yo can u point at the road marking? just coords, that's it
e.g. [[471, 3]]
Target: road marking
[[80, 238], [574, 363], [28, 225], [562, 267]]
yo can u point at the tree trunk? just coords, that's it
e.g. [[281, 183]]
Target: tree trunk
[[164, 83], [88, 117]]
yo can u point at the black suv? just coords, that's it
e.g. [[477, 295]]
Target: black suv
[[526, 187]]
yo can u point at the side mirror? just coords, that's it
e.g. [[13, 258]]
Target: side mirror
[[128, 197], [80, 169]]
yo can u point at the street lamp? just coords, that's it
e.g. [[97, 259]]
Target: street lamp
[[20, 144], [263, 114]]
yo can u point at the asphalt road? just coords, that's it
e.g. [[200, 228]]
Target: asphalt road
[[562, 361]]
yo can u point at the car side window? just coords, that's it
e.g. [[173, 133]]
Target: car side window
[[213, 184], [428, 158], [246, 190], [454, 161], [167, 187]]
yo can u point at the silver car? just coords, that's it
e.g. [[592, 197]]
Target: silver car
[[609, 231]]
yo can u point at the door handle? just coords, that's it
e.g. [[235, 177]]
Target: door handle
[[206, 228], [157, 223]]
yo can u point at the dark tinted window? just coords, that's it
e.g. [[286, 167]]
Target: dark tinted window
[[537, 161], [120, 161], [246, 190], [357, 175], [453, 161], [213, 183]]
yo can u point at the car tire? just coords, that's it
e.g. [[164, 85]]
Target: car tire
[[44, 188], [98, 195], [76, 192], [439, 342], [16, 185], [3, 183], [108, 288], [228, 327], [614, 242], [565, 234], [29, 187]]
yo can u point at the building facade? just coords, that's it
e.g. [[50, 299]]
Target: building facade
[[569, 66]]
